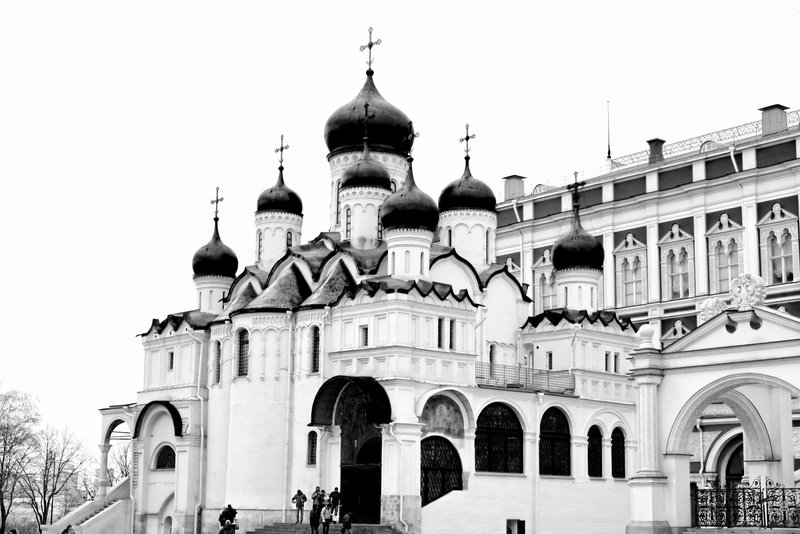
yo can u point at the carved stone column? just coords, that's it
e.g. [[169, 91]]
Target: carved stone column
[[103, 482]]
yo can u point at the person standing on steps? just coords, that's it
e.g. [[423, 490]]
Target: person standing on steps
[[326, 517], [299, 501], [346, 523], [313, 519], [335, 500], [228, 514]]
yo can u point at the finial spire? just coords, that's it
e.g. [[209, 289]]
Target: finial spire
[[411, 136], [466, 139], [281, 149], [216, 201], [369, 46], [575, 194], [608, 128]]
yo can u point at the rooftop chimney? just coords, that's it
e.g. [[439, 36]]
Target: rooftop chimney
[[514, 187], [656, 150], [773, 119]]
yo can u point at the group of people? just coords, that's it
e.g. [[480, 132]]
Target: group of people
[[324, 510], [227, 521]]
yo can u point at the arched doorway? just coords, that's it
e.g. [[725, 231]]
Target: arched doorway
[[734, 465], [440, 469], [167, 528]]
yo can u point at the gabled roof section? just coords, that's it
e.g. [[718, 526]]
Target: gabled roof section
[[194, 318], [557, 315], [315, 255], [387, 284], [496, 269], [250, 272], [331, 237], [289, 290], [367, 261], [243, 299], [331, 290]]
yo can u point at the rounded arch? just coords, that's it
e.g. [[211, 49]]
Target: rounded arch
[[498, 439], [715, 452], [440, 468], [174, 414], [379, 408], [164, 456], [555, 442], [678, 439], [457, 396], [596, 419], [516, 408], [112, 425], [565, 411]]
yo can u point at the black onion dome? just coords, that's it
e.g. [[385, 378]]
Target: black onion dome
[[578, 249], [409, 207], [467, 193], [388, 132], [215, 258], [366, 172], [280, 198]]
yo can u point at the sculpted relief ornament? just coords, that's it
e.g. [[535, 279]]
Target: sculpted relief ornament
[[747, 291], [711, 307]]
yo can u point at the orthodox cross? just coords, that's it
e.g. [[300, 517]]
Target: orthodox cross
[[466, 139], [369, 46], [217, 200], [574, 188], [281, 149], [367, 119], [411, 136]]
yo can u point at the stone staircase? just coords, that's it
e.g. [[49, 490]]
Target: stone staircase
[[106, 505], [291, 528]]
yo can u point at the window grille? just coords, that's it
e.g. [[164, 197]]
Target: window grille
[[243, 354], [440, 333], [217, 361], [491, 361], [171, 360], [165, 458], [452, 334], [554, 444], [347, 222], [364, 335], [315, 349], [617, 453], [594, 452], [498, 440], [441, 469], [549, 360], [311, 456]]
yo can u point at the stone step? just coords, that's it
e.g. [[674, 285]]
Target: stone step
[[291, 528]]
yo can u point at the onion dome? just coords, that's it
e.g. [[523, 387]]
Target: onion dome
[[366, 172], [280, 198], [409, 207], [577, 249], [388, 132], [215, 258], [467, 193]]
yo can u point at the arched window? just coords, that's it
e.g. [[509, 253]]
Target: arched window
[[315, 349], [338, 202], [243, 353], [491, 361], [440, 468], [733, 259], [486, 243], [449, 237], [723, 274], [594, 452], [566, 297], [260, 244], [347, 223], [554, 444], [391, 263], [394, 186], [380, 225], [781, 257], [288, 239], [617, 453], [217, 361], [311, 455], [421, 263], [407, 262], [165, 458], [498, 440]]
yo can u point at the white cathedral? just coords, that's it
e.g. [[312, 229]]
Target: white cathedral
[[393, 357]]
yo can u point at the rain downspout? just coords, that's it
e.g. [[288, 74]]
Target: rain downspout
[[733, 160], [289, 380], [132, 473], [197, 397], [702, 450], [572, 348], [400, 443], [521, 243]]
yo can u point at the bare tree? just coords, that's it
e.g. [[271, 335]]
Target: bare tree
[[18, 418], [119, 460], [53, 471]]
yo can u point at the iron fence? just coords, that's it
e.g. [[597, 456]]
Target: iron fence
[[515, 376], [767, 505]]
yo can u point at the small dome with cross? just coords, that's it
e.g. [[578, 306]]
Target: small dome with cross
[[578, 249], [215, 258], [467, 193], [280, 198], [409, 207]]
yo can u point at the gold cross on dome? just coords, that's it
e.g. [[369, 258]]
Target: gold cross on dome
[[281, 149], [411, 135], [574, 188], [369, 46], [216, 201], [466, 139]]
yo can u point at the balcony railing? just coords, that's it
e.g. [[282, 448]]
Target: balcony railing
[[517, 377]]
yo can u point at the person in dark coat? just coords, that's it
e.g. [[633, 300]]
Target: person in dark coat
[[299, 501], [313, 519], [335, 498], [346, 523], [228, 514]]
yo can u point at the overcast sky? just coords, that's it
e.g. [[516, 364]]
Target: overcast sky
[[118, 120]]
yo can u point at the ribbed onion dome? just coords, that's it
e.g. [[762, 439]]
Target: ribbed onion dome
[[280, 198], [366, 172], [409, 207], [467, 193], [215, 258], [388, 132], [577, 249]]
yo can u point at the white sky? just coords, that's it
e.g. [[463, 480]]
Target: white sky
[[118, 120]]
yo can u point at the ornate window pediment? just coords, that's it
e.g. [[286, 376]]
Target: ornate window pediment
[[725, 253], [676, 249], [545, 280], [630, 267], [780, 257]]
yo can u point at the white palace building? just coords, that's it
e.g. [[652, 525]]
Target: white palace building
[[622, 355]]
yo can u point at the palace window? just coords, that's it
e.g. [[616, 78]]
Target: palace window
[[243, 353], [778, 243], [440, 468], [217, 361], [171, 360], [363, 335], [440, 333], [617, 453], [315, 349], [449, 237], [452, 334], [630, 258], [165, 458], [549, 356], [347, 223], [546, 297], [492, 361], [616, 362], [594, 452], [554, 444], [725, 254], [311, 454], [677, 264], [498, 440], [608, 362]]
